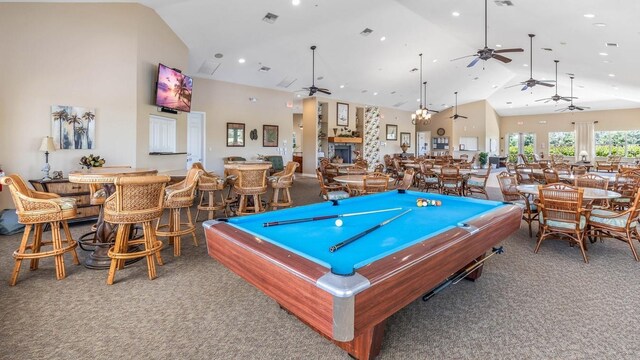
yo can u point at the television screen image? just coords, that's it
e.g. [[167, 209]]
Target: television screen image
[[173, 90]]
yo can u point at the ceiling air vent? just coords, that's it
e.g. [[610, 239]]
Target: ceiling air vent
[[366, 32], [208, 67], [503, 2], [612, 44], [286, 82], [399, 104], [264, 69], [547, 49], [270, 18]]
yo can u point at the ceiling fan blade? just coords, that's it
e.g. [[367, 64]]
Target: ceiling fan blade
[[462, 116], [324, 91], [563, 109], [462, 57], [473, 62], [544, 84], [504, 59], [543, 99], [507, 50], [510, 86], [565, 99], [433, 111]]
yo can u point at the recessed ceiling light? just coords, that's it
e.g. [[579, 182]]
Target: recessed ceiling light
[[295, 2], [495, 86], [589, 16], [417, 100], [606, 61], [615, 87], [603, 54], [455, 13], [612, 75], [383, 38], [599, 24], [435, 60], [498, 45], [525, 65], [252, 99], [341, 86], [242, 60], [375, 93]]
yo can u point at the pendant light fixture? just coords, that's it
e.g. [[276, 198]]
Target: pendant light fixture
[[422, 115]]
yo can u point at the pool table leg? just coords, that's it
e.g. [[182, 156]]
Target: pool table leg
[[477, 272]]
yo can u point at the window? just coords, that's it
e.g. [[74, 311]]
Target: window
[[162, 134], [562, 143], [521, 143], [620, 143]]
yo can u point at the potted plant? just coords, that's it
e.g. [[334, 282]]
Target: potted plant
[[482, 158]]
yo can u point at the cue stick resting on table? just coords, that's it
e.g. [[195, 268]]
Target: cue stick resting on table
[[324, 217], [358, 236]]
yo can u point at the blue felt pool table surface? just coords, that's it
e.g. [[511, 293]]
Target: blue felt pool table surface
[[312, 240]]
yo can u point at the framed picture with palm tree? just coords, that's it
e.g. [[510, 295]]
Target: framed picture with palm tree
[[73, 127]]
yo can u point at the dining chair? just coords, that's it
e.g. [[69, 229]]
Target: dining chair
[[136, 200], [35, 210], [524, 174], [562, 215], [428, 179], [250, 186], [508, 187], [550, 176], [579, 170], [594, 181], [627, 185], [477, 183], [620, 225], [375, 183], [407, 179], [210, 185], [280, 183], [451, 181], [331, 191]]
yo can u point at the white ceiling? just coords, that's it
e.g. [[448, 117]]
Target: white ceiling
[[344, 57]]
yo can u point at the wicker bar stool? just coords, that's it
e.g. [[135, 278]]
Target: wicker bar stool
[[36, 209], [251, 183], [282, 181], [210, 185], [137, 200], [177, 197]]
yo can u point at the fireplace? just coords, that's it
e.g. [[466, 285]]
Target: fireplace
[[344, 151]]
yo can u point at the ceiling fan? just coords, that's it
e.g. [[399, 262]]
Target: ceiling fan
[[455, 115], [487, 53], [556, 97], [573, 107], [532, 82], [313, 88]]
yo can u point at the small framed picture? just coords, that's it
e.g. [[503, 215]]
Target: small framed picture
[[342, 117], [235, 134], [270, 135], [405, 138], [392, 132]]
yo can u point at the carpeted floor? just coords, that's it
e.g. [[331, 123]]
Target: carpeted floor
[[529, 306]]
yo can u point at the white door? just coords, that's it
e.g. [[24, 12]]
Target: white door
[[195, 138], [422, 139]]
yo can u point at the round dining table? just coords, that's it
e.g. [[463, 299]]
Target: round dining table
[[354, 181], [105, 232], [588, 194]]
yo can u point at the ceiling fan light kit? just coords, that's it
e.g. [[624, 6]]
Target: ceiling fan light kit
[[422, 115]]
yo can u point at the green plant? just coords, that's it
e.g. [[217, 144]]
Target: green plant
[[482, 158]]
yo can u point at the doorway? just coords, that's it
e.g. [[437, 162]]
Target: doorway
[[520, 143], [422, 140], [195, 138]]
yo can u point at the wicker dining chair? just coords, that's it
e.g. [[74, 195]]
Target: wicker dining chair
[[282, 181], [562, 215], [579, 170], [477, 183], [407, 179], [35, 210], [594, 181], [331, 191], [428, 179], [551, 176], [508, 187], [180, 196], [375, 183], [525, 174], [620, 225], [137, 200], [627, 185], [450, 181]]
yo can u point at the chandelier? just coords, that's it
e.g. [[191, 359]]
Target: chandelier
[[422, 115]]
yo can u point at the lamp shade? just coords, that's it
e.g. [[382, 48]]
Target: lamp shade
[[47, 144], [584, 153]]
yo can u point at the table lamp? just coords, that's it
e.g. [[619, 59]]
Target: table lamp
[[583, 155], [47, 146]]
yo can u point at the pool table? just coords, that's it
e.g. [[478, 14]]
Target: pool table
[[348, 294]]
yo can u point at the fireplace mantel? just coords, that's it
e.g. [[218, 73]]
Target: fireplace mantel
[[340, 139]]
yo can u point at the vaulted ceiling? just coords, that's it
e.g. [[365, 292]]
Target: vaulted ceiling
[[370, 70]]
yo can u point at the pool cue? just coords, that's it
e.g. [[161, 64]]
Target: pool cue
[[324, 217], [454, 279], [358, 236]]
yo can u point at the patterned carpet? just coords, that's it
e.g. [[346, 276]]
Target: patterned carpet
[[529, 306]]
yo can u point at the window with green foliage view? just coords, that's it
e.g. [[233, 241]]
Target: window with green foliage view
[[562, 143], [621, 143]]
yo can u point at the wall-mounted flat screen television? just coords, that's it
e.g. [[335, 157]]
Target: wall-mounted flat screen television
[[173, 89]]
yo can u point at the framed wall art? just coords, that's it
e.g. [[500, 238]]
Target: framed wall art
[[405, 138], [270, 135], [342, 115], [235, 134], [392, 132]]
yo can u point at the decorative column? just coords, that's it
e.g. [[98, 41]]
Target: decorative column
[[371, 141]]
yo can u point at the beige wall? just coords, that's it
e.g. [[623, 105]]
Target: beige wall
[[541, 125], [68, 54], [297, 121], [225, 102]]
